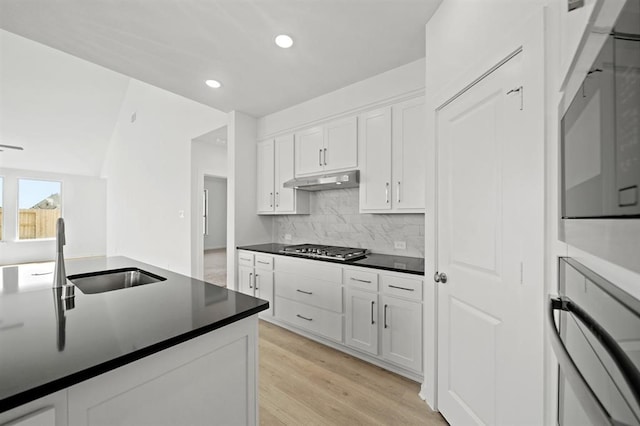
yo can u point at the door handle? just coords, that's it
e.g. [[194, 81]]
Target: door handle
[[398, 191], [325, 156], [386, 192], [372, 303], [277, 199], [271, 199], [440, 277], [320, 157], [250, 277], [255, 281]]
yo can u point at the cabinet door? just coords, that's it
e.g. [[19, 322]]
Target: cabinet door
[[265, 174], [284, 197], [50, 410], [340, 145], [309, 150], [245, 280], [409, 151], [264, 289], [375, 162], [362, 320], [402, 332]]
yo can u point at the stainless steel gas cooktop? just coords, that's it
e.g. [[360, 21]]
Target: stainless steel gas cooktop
[[326, 252]]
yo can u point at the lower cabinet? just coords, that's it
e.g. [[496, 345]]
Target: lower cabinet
[[402, 332], [255, 277], [362, 320], [50, 410]]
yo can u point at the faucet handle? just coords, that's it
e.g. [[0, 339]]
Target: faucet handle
[[60, 237]]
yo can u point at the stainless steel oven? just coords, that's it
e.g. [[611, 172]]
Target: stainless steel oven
[[595, 334]]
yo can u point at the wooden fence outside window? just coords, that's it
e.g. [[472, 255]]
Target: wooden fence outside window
[[34, 223]]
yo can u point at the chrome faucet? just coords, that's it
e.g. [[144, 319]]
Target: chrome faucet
[[59, 273]]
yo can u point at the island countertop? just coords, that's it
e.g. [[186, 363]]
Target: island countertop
[[45, 347]]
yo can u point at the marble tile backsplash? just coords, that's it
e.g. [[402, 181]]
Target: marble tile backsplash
[[335, 220]]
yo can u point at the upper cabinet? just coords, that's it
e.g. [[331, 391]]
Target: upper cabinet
[[276, 166], [393, 149], [328, 148]]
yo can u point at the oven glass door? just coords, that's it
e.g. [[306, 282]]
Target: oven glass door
[[597, 343]]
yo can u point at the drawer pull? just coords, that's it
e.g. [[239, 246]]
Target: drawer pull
[[362, 281], [372, 303], [264, 263], [401, 288], [245, 259], [304, 318], [302, 291]]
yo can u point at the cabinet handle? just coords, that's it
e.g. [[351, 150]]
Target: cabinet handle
[[245, 259], [304, 318], [359, 280], [255, 281], [325, 156], [385, 315], [305, 292], [400, 288], [320, 157], [386, 192], [271, 199], [250, 276], [398, 191], [263, 262], [277, 199], [372, 303]]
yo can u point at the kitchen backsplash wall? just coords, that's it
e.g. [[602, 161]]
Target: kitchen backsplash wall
[[335, 220]]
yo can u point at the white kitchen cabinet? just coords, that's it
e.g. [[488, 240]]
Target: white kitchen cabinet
[[393, 147], [275, 167], [50, 410], [362, 320], [329, 148], [255, 277], [402, 332], [208, 379]]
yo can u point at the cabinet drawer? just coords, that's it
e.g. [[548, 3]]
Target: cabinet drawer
[[358, 278], [316, 320], [245, 258], [408, 288], [310, 268], [264, 262], [312, 291]]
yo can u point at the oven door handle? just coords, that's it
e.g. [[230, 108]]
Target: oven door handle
[[583, 391], [590, 403]]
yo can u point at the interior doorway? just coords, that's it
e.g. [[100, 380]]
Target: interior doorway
[[214, 220]]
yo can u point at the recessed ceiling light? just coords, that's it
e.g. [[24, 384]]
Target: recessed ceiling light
[[213, 83], [284, 41]]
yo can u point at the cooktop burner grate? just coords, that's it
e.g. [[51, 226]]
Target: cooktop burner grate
[[326, 252]]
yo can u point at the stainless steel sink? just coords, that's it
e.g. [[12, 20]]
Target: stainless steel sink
[[102, 281]]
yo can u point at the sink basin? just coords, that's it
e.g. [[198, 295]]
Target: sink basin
[[102, 281]]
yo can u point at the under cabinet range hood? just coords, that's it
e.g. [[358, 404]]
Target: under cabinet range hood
[[350, 179]]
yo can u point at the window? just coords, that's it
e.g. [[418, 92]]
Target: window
[[38, 208]]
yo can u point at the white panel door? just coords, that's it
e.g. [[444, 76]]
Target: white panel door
[[402, 332], [409, 151], [265, 176], [284, 197], [489, 363], [309, 147], [341, 144], [375, 165], [362, 320]]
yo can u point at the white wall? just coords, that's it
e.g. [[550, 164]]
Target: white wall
[[217, 215], [399, 81], [243, 224], [148, 168], [83, 209]]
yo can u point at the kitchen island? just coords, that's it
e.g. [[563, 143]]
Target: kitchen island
[[171, 352]]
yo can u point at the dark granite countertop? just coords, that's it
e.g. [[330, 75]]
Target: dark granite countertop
[[409, 265], [44, 348]]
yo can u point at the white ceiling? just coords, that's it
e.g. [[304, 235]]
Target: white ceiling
[[177, 44]]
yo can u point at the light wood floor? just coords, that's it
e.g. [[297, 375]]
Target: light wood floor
[[305, 383], [215, 266]]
